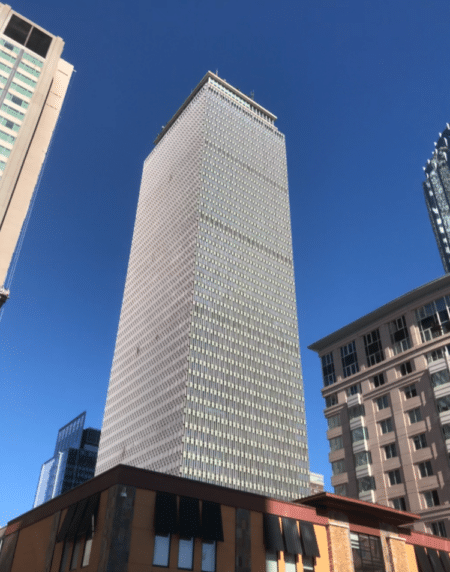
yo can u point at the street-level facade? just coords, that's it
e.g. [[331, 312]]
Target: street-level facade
[[387, 404]]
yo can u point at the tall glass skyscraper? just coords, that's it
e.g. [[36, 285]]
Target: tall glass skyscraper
[[206, 379], [437, 195]]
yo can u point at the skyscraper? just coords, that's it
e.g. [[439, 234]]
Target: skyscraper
[[73, 460], [33, 83], [437, 194], [206, 378]]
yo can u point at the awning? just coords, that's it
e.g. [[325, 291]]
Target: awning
[[76, 520], [435, 560], [273, 540], [422, 559], [89, 519], [309, 540], [291, 536], [445, 559], [165, 521], [66, 523], [189, 513], [211, 521]]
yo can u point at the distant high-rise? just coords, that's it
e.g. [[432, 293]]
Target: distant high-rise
[[437, 194], [206, 380], [33, 83], [73, 461]]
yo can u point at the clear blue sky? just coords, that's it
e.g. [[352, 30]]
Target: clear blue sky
[[361, 90]]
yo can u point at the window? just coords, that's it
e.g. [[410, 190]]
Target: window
[[433, 319], [363, 458], [390, 451], [410, 391], [367, 553], [331, 400], [399, 335], [271, 561], [349, 359], [425, 469], [386, 425], [415, 415], [308, 563], [395, 477], [405, 368], [24, 33], [359, 434], [420, 441], [161, 550], [185, 553], [356, 411], [443, 403], [334, 421], [378, 380], [438, 528], [366, 484], [435, 355], [446, 431], [328, 373], [75, 552], [399, 503], [87, 549], [290, 564], [336, 443], [341, 490], [338, 467], [382, 402], [372, 345], [431, 498], [209, 556], [440, 377], [354, 389]]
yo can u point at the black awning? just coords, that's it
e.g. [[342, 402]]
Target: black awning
[[435, 560], [76, 520], [189, 517], [90, 515], [212, 528], [272, 533], [66, 523], [165, 521], [291, 536], [422, 559], [445, 560], [309, 541]]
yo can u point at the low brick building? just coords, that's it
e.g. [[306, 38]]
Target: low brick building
[[134, 520]]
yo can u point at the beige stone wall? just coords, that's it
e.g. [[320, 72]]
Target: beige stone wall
[[398, 554], [341, 552]]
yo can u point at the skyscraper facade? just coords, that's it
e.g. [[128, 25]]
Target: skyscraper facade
[[73, 460], [206, 379], [437, 194], [33, 83]]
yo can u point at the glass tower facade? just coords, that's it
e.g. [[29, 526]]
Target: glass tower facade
[[206, 380], [437, 195]]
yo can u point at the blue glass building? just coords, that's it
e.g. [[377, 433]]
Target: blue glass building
[[73, 460]]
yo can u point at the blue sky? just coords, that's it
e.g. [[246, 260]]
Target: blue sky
[[361, 92]]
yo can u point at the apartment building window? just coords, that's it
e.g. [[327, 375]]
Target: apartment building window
[[415, 415], [390, 450], [271, 561], [366, 484], [378, 380], [349, 359], [372, 345], [435, 355], [446, 431], [405, 368], [382, 402], [161, 550], [359, 434], [440, 377], [399, 335], [443, 403], [208, 556], [386, 426], [334, 421], [338, 467], [425, 469], [331, 400], [356, 411], [367, 553], [410, 391], [431, 498], [363, 458], [329, 375], [341, 490], [420, 441], [395, 477], [353, 389], [438, 528], [399, 503], [336, 443], [433, 319]]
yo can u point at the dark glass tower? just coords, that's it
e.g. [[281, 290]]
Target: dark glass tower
[[437, 195]]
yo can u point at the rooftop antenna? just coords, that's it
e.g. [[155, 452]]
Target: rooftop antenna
[[252, 95], [217, 72]]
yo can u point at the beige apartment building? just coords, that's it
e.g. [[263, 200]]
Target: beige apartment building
[[33, 83], [387, 397]]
